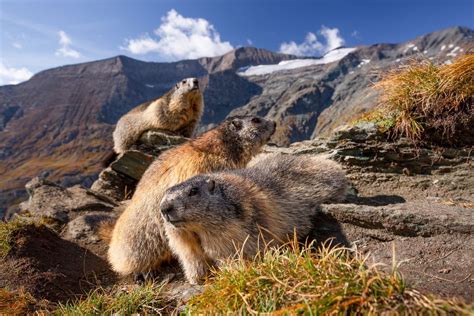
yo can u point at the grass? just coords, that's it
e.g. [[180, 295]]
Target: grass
[[301, 281], [123, 301], [6, 232], [427, 102]]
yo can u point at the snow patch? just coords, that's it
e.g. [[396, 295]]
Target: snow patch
[[150, 85], [425, 52], [450, 45], [408, 47], [330, 57], [453, 52], [363, 62], [443, 47]]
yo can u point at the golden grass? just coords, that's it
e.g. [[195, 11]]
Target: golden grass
[[427, 102], [301, 281]]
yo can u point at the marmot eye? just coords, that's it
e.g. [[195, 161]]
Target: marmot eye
[[193, 191], [256, 120], [184, 81]]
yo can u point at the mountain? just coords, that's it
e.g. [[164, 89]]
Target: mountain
[[59, 123]]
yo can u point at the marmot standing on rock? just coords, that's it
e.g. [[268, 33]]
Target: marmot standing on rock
[[138, 243], [210, 217], [178, 112]]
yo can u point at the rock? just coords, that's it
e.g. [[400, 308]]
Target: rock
[[153, 138], [421, 236], [84, 227], [132, 163], [415, 218], [50, 200], [115, 185], [119, 180], [360, 132]]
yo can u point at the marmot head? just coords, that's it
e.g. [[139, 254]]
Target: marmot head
[[247, 134], [186, 92], [187, 85], [200, 202]]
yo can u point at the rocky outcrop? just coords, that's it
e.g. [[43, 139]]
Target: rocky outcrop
[[50, 200], [120, 178]]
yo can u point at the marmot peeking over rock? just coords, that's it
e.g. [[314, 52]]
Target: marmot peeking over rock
[[210, 217], [178, 112], [138, 243]]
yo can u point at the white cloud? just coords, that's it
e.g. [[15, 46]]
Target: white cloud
[[65, 50], [17, 45], [180, 37], [312, 46], [10, 75]]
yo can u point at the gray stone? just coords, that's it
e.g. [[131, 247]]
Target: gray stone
[[132, 163], [47, 199], [84, 227], [115, 185]]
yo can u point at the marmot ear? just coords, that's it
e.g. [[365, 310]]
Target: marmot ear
[[211, 185], [236, 125]]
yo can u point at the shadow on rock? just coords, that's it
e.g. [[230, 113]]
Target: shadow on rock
[[377, 200]]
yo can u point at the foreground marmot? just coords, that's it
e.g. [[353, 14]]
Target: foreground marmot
[[178, 112], [210, 217], [138, 243]]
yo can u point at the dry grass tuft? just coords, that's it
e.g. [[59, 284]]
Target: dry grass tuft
[[6, 231], [426, 102], [301, 281]]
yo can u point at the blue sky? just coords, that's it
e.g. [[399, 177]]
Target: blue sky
[[36, 35]]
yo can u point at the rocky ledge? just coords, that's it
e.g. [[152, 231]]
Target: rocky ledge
[[412, 206]]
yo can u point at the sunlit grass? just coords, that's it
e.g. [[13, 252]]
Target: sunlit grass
[[121, 301], [303, 281]]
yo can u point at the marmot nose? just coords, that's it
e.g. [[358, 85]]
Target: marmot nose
[[196, 83]]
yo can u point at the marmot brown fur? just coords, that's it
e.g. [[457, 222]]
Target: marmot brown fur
[[212, 217], [178, 112], [138, 242]]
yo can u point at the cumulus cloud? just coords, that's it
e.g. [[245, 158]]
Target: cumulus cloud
[[10, 75], [65, 49], [179, 37], [312, 46]]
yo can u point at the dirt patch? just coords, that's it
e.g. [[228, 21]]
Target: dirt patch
[[51, 268]]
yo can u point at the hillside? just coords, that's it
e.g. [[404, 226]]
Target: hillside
[[59, 123]]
